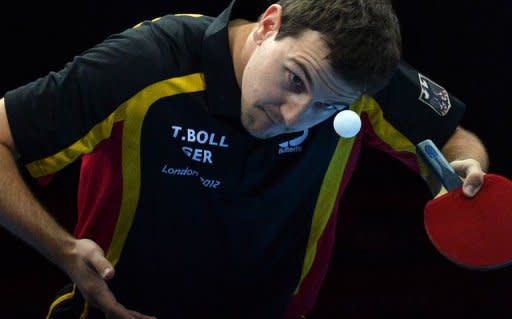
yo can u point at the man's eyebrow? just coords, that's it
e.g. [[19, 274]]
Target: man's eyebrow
[[304, 70]]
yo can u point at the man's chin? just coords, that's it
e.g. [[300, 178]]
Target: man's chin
[[262, 134], [270, 133]]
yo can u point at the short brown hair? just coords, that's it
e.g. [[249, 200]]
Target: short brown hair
[[363, 36]]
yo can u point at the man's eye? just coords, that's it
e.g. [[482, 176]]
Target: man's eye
[[296, 82]]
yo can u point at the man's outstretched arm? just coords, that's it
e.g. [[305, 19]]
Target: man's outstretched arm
[[23, 215]]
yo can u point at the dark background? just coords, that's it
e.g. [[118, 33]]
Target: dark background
[[383, 262]]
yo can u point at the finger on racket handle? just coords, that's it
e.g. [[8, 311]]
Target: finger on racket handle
[[438, 165]]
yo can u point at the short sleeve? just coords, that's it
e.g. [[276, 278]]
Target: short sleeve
[[410, 109], [73, 109]]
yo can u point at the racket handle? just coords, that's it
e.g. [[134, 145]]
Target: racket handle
[[438, 165]]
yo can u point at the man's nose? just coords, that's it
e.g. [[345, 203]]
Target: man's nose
[[293, 110]]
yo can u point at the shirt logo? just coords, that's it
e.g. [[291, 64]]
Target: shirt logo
[[187, 172], [434, 95], [198, 138], [294, 145]]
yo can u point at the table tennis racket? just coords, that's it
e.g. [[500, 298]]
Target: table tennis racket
[[475, 232]]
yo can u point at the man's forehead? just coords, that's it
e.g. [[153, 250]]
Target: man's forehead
[[311, 54], [347, 91], [335, 89]]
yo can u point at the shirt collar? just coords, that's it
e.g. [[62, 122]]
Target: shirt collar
[[222, 89]]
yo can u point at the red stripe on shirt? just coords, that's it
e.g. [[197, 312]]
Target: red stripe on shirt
[[100, 190]]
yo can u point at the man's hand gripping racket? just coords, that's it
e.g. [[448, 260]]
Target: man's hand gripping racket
[[474, 232]]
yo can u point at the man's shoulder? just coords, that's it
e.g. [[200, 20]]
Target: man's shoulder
[[176, 28], [173, 37], [178, 23]]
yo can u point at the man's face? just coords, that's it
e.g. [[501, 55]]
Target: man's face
[[289, 86]]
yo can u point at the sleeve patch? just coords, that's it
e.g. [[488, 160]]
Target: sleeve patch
[[434, 95]]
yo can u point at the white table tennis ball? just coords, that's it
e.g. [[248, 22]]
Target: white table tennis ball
[[347, 123]]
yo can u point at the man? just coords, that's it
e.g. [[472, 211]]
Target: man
[[210, 170]]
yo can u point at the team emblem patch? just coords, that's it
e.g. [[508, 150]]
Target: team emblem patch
[[434, 95], [294, 145]]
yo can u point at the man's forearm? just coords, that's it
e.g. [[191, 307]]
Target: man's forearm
[[467, 155], [25, 217], [465, 145]]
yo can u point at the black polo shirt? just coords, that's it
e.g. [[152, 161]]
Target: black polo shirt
[[200, 218]]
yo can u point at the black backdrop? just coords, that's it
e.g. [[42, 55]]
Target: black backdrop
[[383, 262]]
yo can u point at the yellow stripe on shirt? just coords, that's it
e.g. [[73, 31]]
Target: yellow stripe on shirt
[[136, 109]]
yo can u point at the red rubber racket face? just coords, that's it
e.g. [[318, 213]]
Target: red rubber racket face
[[473, 232]]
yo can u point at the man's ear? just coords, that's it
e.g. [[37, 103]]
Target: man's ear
[[269, 23]]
